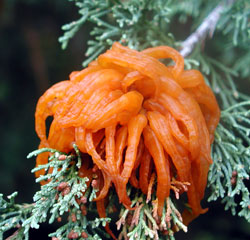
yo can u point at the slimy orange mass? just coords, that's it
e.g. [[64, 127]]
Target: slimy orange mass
[[134, 118]]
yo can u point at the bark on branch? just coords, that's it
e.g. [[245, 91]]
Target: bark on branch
[[206, 28]]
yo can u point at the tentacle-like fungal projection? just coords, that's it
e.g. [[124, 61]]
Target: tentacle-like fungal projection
[[134, 117]]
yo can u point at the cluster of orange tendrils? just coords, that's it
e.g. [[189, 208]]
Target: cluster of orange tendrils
[[135, 117]]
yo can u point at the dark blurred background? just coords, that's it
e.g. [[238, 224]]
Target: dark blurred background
[[31, 60]]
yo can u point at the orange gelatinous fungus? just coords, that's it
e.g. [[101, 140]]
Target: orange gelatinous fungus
[[145, 171], [161, 164], [132, 117]]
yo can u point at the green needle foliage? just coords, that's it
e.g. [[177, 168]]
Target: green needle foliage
[[235, 22], [64, 194], [224, 60], [134, 23], [143, 223], [231, 155], [67, 194], [13, 215]]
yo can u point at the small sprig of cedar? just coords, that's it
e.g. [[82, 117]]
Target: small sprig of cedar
[[144, 223], [68, 199], [64, 194]]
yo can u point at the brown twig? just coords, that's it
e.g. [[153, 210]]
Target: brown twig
[[168, 214], [207, 27], [178, 187], [150, 186], [135, 219], [15, 233]]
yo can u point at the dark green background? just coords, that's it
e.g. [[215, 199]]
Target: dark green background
[[31, 60]]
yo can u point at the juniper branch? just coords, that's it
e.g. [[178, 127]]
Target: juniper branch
[[144, 223], [62, 194], [231, 154]]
